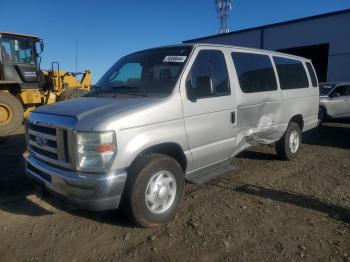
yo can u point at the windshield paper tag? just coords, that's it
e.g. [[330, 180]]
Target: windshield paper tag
[[174, 59]]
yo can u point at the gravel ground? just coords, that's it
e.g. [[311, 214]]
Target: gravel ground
[[266, 210]]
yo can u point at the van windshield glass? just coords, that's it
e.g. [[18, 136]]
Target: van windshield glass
[[147, 73]]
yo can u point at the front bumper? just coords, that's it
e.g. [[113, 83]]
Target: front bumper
[[75, 189]]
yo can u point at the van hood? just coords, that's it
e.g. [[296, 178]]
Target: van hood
[[84, 107], [109, 113]]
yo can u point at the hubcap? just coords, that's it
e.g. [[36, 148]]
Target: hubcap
[[5, 114], [160, 192], [294, 141]]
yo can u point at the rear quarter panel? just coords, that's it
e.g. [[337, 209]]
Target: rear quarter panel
[[303, 101]]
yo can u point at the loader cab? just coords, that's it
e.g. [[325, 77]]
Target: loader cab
[[19, 59]]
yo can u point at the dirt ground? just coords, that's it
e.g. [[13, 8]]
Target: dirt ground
[[266, 210]]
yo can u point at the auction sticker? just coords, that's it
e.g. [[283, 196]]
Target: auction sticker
[[174, 59]]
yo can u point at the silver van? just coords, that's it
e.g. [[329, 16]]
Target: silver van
[[164, 116]]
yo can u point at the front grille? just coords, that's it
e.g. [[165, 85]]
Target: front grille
[[50, 144], [43, 129], [38, 172]]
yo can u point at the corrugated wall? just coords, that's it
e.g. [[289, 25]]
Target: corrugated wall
[[334, 29]]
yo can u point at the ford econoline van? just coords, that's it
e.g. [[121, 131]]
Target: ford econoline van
[[164, 116]]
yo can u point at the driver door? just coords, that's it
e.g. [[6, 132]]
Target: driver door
[[209, 108]]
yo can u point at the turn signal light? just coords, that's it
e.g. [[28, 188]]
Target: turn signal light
[[104, 148]]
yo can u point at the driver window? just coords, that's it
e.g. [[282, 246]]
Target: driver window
[[208, 76]]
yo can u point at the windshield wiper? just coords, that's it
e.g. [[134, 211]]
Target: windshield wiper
[[134, 93], [129, 90]]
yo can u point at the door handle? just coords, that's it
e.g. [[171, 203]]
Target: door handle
[[233, 117]]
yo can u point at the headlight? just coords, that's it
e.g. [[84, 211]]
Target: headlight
[[95, 151]]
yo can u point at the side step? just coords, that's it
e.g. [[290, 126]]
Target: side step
[[209, 173]]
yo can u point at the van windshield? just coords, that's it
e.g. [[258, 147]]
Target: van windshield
[[147, 73]]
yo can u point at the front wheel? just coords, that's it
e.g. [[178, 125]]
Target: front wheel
[[154, 190], [288, 146]]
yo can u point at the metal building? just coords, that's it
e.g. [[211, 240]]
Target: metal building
[[323, 38]]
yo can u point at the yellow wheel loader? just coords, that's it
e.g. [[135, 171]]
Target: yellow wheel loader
[[23, 86]]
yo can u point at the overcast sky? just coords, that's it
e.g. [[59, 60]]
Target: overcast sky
[[108, 29]]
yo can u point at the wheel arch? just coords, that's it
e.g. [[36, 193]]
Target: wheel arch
[[299, 120], [12, 88], [323, 108], [171, 149]]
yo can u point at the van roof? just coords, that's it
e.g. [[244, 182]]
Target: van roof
[[241, 48]]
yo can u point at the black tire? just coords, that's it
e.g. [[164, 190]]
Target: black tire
[[322, 116], [139, 176], [12, 113], [71, 93], [285, 150]]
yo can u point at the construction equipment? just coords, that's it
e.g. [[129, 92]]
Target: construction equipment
[[23, 86]]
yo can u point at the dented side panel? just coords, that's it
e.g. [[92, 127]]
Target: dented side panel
[[260, 118], [263, 118]]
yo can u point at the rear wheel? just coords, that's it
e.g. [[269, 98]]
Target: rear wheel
[[154, 190], [11, 113], [288, 146]]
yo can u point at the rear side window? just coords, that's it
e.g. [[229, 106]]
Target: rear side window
[[255, 72], [291, 73], [208, 76], [312, 74]]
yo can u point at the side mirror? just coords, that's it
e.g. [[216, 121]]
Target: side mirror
[[191, 92], [205, 86]]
